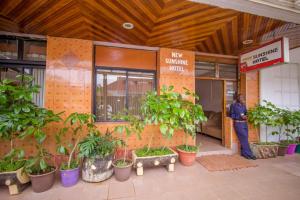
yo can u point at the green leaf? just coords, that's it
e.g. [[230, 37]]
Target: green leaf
[[43, 165], [163, 128]]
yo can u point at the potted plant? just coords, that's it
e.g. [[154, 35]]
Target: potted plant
[[97, 151], [11, 168], [77, 124], [281, 121], [162, 110], [264, 115], [123, 167], [16, 108], [190, 114], [38, 167], [292, 128]]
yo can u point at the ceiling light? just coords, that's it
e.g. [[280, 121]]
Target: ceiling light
[[128, 25], [247, 42]]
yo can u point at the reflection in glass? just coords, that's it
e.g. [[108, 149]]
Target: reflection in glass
[[120, 90], [8, 49], [34, 50], [227, 71], [139, 84], [110, 94], [38, 79], [205, 69]]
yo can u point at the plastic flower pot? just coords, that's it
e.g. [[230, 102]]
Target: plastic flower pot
[[291, 149], [186, 158], [122, 173], [282, 150], [42, 182], [298, 148], [69, 177]]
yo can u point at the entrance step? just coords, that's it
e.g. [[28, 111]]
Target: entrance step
[[217, 152]]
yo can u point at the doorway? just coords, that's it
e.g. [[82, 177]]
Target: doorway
[[216, 85], [210, 133]]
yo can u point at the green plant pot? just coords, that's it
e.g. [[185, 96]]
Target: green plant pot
[[298, 148]]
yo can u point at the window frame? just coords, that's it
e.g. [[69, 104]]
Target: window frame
[[20, 62], [126, 86]]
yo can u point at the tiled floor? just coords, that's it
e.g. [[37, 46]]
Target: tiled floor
[[208, 143], [277, 178]]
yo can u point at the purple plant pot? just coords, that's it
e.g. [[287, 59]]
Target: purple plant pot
[[291, 149], [69, 177]]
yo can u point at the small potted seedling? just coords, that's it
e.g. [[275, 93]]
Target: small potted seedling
[[123, 166], [190, 114], [78, 124]]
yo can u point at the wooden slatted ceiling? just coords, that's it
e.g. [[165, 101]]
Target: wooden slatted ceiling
[[166, 23]]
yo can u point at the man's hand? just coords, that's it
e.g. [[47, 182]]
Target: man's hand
[[244, 117]]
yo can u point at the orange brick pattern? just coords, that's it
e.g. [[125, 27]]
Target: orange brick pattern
[[177, 79], [69, 88]]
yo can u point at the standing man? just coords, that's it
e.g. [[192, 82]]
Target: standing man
[[238, 112]]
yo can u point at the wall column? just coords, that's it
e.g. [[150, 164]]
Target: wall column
[[177, 68]]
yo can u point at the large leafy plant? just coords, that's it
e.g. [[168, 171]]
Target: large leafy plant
[[96, 144], [269, 115], [292, 125], [17, 111], [20, 117], [172, 111], [264, 114], [39, 163], [193, 114], [12, 160], [78, 124]]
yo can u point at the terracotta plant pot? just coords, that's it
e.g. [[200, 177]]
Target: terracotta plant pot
[[282, 150], [123, 173], [186, 158], [69, 177], [298, 148], [291, 149], [42, 182]]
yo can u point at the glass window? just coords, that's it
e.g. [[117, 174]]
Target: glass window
[[227, 71], [38, 79], [205, 69], [34, 50], [118, 90], [8, 49], [138, 84]]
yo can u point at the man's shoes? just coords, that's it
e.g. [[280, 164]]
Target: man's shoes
[[253, 157], [247, 157]]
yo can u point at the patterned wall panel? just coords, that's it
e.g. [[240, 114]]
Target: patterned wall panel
[[68, 79], [177, 68]]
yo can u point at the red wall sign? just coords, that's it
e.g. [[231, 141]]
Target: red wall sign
[[266, 55]]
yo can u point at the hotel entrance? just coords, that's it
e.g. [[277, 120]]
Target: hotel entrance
[[215, 84]]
